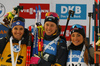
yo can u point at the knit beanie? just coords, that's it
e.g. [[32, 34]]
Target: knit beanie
[[53, 17], [18, 21]]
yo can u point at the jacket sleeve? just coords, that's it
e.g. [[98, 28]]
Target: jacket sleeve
[[91, 50], [62, 53], [91, 55], [61, 57], [3, 42]]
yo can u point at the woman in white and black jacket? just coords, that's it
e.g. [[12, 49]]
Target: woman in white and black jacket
[[55, 49], [80, 53]]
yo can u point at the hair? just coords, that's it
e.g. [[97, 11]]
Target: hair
[[86, 58], [58, 29]]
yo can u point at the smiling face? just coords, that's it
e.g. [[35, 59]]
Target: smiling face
[[18, 32], [50, 27], [76, 38]]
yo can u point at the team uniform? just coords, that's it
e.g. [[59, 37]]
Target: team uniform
[[19, 51], [76, 55], [55, 51]]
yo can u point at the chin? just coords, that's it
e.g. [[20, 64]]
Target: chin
[[48, 34], [76, 44]]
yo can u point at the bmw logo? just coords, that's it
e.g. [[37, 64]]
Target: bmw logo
[[2, 10], [16, 48]]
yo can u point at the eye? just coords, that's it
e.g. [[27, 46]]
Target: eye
[[72, 35], [21, 28], [47, 24], [52, 25], [15, 28], [78, 35], [14, 11]]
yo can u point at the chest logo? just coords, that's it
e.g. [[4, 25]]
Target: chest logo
[[16, 48]]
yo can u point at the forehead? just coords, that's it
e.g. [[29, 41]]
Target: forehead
[[75, 33], [49, 22], [18, 26]]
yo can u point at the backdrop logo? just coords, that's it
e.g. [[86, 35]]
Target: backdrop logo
[[80, 10], [2, 10], [67, 35], [29, 10]]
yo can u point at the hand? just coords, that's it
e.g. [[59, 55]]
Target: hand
[[35, 59]]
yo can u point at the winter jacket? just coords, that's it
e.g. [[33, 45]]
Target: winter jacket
[[5, 46], [60, 57], [76, 52]]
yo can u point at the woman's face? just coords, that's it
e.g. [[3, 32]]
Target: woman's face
[[76, 38], [50, 27], [18, 32]]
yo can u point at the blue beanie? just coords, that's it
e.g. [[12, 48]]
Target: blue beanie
[[18, 23]]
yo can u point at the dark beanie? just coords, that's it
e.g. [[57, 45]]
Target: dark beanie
[[78, 29], [51, 17]]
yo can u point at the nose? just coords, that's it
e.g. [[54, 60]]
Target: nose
[[75, 37], [18, 31], [49, 27]]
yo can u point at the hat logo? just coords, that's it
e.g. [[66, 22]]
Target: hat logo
[[74, 29], [50, 19], [18, 23]]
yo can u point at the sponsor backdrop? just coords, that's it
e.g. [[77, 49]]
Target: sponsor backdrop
[[3, 30], [62, 7]]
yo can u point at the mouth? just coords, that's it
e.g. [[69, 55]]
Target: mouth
[[17, 34], [48, 31], [76, 41]]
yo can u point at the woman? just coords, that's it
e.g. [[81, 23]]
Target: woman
[[13, 46], [55, 48], [80, 52]]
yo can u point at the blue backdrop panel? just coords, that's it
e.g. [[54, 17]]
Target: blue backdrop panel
[[3, 30]]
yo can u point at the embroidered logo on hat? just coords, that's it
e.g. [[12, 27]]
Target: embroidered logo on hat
[[50, 19], [17, 23]]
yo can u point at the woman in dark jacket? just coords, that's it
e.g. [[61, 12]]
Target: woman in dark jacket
[[55, 49], [13, 46]]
